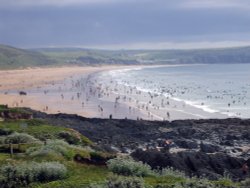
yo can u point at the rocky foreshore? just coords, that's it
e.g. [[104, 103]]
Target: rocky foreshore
[[212, 147]]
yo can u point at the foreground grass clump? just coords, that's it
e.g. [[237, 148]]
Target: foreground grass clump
[[23, 174], [170, 171], [245, 183], [129, 167], [16, 138], [120, 182], [5, 132], [54, 147], [125, 182]]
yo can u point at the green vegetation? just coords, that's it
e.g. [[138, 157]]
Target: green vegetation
[[129, 167], [121, 182], [17, 138], [4, 108], [41, 131], [20, 175], [47, 156], [12, 58]]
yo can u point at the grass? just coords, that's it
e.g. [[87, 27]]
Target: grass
[[168, 180], [4, 158], [80, 175], [225, 183], [39, 129]]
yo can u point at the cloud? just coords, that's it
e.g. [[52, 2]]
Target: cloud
[[183, 4], [25, 3], [170, 45], [208, 4]]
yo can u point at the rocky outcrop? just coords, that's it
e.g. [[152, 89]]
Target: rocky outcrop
[[199, 164], [200, 147]]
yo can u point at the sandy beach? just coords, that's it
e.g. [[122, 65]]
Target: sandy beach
[[44, 88], [76, 90]]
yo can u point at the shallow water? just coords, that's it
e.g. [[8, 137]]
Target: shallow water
[[213, 88]]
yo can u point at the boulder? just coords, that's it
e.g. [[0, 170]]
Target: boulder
[[209, 148]]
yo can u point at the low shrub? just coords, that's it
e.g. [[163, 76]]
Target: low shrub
[[245, 183], [5, 132], [25, 173], [120, 182], [100, 157], [129, 167], [57, 147], [2, 140], [85, 140], [172, 172], [34, 122], [17, 138], [125, 182], [70, 137]]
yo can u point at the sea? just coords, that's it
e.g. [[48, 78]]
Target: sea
[[220, 88]]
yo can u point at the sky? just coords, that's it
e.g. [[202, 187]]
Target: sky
[[125, 24]]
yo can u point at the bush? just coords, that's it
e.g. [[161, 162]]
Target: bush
[[70, 137], [125, 182], [246, 183], [56, 147], [17, 138], [129, 167], [4, 132], [73, 137], [2, 139], [26, 173], [205, 183], [198, 183], [34, 122], [121, 182], [172, 172]]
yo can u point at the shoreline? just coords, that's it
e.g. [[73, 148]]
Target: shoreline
[[74, 90]]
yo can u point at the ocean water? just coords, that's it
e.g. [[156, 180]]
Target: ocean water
[[213, 88]]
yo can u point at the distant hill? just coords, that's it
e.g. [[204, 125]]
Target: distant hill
[[11, 58], [80, 56], [208, 56], [198, 56]]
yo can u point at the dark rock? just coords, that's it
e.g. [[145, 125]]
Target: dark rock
[[188, 144], [212, 166], [209, 148]]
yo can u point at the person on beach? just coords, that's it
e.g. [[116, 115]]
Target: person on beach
[[168, 115]]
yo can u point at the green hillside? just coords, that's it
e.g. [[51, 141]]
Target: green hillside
[[11, 58], [195, 56]]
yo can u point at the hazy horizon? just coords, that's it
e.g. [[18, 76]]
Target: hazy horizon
[[125, 24]]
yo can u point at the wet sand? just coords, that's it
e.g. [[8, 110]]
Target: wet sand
[[76, 90]]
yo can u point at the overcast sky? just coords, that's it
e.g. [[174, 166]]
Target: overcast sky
[[119, 24]]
